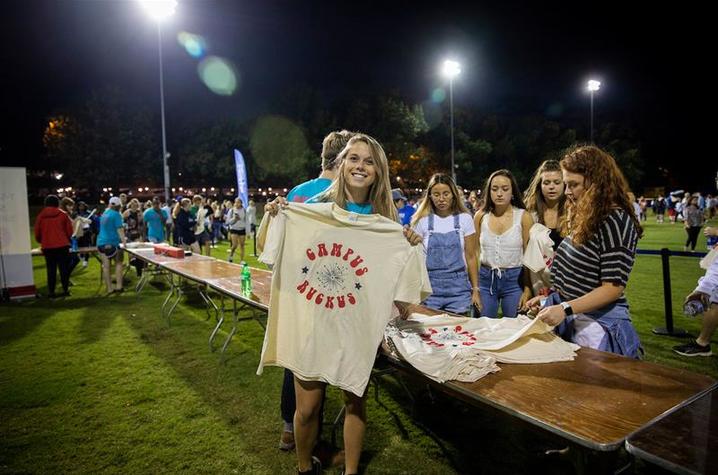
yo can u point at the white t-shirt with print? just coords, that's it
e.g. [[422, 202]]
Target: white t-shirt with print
[[445, 225], [335, 277], [465, 349]]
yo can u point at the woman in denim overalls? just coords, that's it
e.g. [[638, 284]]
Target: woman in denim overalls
[[450, 242]]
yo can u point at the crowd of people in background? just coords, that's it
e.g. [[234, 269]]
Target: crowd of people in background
[[198, 225]]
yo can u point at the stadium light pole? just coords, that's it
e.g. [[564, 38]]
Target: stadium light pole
[[160, 10], [450, 69], [592, 86]]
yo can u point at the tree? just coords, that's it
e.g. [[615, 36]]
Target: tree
[[106, 141], [207, 158]]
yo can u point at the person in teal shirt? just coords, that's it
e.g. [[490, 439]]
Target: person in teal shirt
[[155, 219], [112, 233]]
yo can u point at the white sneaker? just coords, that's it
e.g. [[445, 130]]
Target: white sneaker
[[230, 259]]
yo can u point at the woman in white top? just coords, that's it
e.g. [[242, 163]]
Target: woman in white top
[[447, 229], [251, 216], [503, 228], [237, 223], [201, 231]]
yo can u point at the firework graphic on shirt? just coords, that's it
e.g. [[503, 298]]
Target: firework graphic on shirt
[[448, 337], [331, 277]]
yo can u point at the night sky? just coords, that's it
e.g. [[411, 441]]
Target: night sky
[[531, 57]]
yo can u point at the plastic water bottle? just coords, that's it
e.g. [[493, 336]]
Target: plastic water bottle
[[73, 243], [693, 308], [246, 281]]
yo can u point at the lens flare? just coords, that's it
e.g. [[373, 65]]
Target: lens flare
[[438, 95], [279, 145], [195, 45], [218, 75], [432, 113]]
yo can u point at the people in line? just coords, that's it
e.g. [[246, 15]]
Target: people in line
[[659, 208], [594, 261], [252, 217], [134, 226], [111, 235], [693, 223], [447, 229], [402, 206], [67, 205], [184, 226], [154, 219], [202, 225], [503, 229], [238, 224], [217, 221], [545, 199], [167, 208], [546, 202], [82, 228], [53, 231]]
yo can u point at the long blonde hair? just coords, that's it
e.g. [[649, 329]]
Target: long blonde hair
[[380, 191], [427, 205]]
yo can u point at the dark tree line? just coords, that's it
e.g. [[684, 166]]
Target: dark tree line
[[110, 140]]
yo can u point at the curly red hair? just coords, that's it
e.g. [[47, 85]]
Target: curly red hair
[[605, 189]]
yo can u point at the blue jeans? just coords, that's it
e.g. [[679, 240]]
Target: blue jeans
[[621, 337], [504, 287]]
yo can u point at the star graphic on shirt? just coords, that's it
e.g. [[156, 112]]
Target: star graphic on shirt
[[305, 269], [357, 286]]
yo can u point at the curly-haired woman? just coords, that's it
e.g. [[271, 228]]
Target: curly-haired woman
[[593, 263]]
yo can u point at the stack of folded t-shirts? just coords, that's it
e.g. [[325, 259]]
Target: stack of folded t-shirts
[[465, 349]]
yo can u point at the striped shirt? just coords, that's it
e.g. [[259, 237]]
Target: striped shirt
[[607, 257]]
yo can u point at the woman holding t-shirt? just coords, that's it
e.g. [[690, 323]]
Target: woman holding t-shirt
[[593, 262], [447, 228], [362, 187]]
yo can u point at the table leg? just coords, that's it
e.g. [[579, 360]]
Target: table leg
[[235, 313], [220, 320]]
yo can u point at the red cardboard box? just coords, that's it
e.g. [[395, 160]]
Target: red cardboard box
[[169, 251]]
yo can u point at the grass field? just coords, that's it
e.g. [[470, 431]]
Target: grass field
[[92, 383]]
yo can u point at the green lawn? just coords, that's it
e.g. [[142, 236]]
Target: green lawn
[[101, 384]]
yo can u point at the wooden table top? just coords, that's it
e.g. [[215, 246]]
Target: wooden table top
[[598, 400], [232, 287], [203, 270], [148, 255], [685, 441]]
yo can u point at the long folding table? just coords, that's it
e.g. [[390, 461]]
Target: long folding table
[[597, 401]]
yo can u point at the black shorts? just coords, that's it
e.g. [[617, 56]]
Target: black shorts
[[203, 238], [238, 232]]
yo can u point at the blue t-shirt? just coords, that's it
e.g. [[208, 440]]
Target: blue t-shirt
[[405, 214], [358, 208], [301, 193], [110, 222], [155, 221]]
